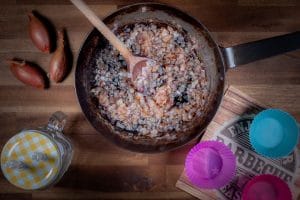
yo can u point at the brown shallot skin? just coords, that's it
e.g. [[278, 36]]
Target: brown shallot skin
[[58, 63], [39, 33], [27, 73]]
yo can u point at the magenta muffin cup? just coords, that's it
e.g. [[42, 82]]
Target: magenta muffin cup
[[266, 187], [210, 165]]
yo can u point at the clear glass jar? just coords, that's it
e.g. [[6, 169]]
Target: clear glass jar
[[38, 158]]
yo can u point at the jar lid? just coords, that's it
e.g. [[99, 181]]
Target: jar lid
[[30, 160]]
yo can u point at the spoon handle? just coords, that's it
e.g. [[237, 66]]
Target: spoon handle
[[108, 34]]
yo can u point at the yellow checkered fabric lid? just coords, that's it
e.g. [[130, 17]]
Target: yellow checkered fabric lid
[[30, 160]]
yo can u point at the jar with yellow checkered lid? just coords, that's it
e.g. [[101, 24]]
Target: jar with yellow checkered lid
[[37, 158]]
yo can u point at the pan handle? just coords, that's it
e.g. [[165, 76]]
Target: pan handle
[[260, 49]]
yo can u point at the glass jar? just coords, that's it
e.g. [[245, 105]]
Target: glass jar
[[37, 158]]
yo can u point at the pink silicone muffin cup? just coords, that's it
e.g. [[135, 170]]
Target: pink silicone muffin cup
[[210, 165], [266, 187]]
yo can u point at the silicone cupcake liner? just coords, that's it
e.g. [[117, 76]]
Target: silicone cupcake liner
[[210, 165], [274, 133], [266, 187]]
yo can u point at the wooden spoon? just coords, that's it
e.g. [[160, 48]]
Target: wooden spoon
[[134, 63]]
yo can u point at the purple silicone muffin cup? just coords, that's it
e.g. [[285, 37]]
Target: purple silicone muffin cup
[[210, 165], [266, 187]]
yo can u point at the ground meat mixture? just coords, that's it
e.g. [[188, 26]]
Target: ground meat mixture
[[177, 90]]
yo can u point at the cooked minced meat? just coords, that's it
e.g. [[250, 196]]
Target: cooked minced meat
[[176, 93]]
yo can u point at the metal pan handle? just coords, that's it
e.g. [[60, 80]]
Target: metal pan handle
[[260, 49]]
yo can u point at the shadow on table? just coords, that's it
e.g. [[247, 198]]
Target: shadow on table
[[107, 178]]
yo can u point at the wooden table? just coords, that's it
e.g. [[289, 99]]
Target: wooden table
[[100, 170]]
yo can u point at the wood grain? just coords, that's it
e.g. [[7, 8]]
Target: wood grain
[[100, 170]]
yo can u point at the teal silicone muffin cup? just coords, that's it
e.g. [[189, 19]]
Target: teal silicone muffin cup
[[274, 133]]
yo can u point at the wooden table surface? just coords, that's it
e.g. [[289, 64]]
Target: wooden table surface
[[100, 170]]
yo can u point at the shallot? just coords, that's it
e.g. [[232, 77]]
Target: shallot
[[27, 73], [39, 33], [59, 63]]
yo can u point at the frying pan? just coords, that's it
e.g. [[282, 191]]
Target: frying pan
[[216, 59]]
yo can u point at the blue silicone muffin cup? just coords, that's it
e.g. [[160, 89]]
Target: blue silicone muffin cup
[[274, 133]]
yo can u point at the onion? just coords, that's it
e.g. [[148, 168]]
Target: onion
[[58, 63], [39, 33], [27, 73]]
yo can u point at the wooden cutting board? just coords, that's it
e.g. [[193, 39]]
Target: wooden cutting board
[[231, 126]]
